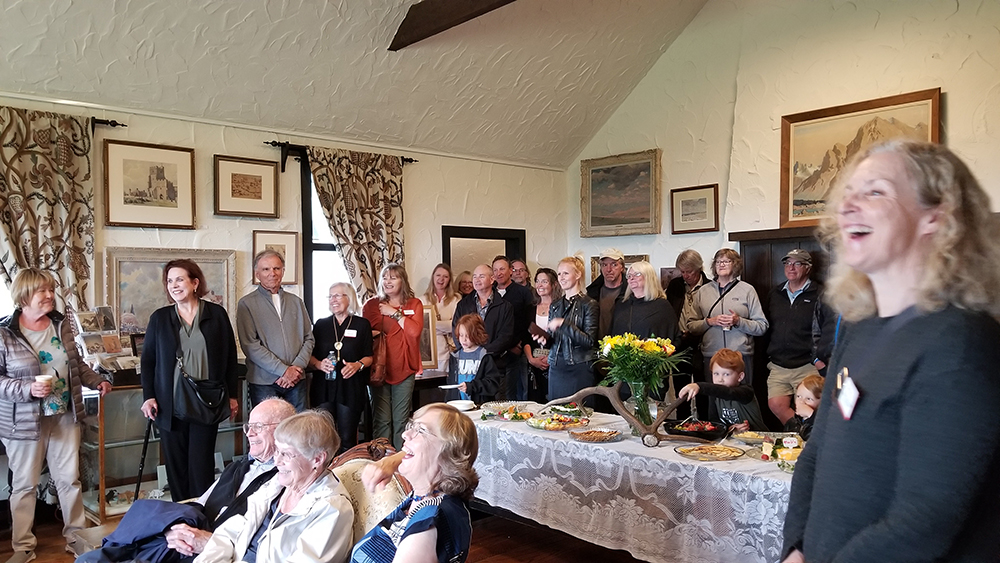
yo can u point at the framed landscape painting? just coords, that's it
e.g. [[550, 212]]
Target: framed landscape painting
[[285, 243], [246, 187], [135, 281], [694, 209], [817, 145], [148, 185], [620, 195]]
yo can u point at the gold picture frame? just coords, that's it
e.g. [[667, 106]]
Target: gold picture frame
[[620, 195], [816, 145]]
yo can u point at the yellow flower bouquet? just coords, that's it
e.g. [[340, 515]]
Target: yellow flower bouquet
[[640, 363]]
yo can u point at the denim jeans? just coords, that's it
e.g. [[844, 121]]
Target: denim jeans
[[295, 395], [392, 406]]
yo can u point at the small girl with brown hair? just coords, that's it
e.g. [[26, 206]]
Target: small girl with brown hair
[[807, 396], [472, 367]]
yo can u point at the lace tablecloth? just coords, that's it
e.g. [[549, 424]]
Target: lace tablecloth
[[651, 502]]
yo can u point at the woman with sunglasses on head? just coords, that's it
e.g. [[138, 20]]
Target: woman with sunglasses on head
[[433, 523], [726, 312], [340, 361]]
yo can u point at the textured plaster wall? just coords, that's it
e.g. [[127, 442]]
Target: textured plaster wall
[[437, 190], [714, 101]]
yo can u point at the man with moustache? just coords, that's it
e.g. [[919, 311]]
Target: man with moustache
[[140, 536], [275, 334], [497, 315]]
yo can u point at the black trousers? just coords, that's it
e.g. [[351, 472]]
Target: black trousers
[[347, 419], [189, 449]]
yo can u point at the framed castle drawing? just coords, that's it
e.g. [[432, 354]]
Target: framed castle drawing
[[148, 185], [817, 145]]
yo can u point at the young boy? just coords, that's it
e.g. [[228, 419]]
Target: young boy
[[807, 396], [733, 401], [472, 367]]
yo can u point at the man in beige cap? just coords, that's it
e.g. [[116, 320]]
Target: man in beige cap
[[609, 288], [801, 333]]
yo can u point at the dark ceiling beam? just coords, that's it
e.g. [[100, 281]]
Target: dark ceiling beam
[[430, 17]]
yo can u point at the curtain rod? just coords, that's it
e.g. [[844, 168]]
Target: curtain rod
[[94, 122], [301, 151]]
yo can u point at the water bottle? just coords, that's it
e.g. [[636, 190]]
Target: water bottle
[[332, 356]]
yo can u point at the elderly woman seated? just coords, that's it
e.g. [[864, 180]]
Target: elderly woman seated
[[433, 523], [303, 514]]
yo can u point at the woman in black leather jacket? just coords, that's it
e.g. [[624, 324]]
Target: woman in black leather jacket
[[573, 326]]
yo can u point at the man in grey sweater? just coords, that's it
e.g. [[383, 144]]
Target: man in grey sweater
[[275, 334]]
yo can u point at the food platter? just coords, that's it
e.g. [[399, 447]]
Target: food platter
[[707, 431], [596, 435], [571, 409], [751, 438], [494, 407], [709, 452], [506, 410], [557, 422]]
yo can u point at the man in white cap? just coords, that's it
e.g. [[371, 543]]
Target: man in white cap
[[609, 288], [801, 333]]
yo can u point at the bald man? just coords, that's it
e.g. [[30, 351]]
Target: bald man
[[497, 315], [226, 497]]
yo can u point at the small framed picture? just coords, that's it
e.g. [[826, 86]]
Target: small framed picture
[[428, 342], [246, 187], [285, 243], [148, 185], [694, 209], [137, 340]]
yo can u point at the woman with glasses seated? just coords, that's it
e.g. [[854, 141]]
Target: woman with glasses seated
[[303, 514], [726, 312], [340, 362], [433, 523]]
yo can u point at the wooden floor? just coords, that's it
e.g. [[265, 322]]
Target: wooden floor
[[494, 540]]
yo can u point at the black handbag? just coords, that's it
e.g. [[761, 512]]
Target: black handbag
[[202, 401]]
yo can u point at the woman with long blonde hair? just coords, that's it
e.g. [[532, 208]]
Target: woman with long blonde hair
[[917, 280], [573, 328], [442, 298]]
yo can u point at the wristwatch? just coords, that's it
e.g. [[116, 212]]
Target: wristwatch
[[397, 315]]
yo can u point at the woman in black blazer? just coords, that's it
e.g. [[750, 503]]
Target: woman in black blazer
[[201, 332]]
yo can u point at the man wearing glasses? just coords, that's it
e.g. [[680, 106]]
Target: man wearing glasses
[[226, 497], [801, 335]]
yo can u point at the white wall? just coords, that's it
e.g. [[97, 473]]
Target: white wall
[[437, 190], [714, 101]]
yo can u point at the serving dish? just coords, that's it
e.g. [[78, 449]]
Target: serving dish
[[752, 438], [718, 430], [463, 405], [709, 452], [557, 422], [593, 435]]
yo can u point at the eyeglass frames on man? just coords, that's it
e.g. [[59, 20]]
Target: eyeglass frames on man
[[256, 426]]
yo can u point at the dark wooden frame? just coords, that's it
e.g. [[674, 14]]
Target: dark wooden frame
[[676, 196], [514, 239], [268, 169], [931, 97], [114, 214]]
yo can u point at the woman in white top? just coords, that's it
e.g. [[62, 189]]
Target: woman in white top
[[546, 290], [442, 299]]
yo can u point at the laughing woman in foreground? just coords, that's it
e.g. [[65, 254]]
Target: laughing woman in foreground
[[433, 523], [918, 284]]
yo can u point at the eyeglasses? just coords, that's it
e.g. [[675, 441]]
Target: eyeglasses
[[414, 427], [285, 455], [633, 275], [338, 296], [796, 264], [723, 262], [256, 426], [521, 270]]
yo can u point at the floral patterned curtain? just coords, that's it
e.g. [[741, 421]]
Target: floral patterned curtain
[[47, 200], [362, 198]]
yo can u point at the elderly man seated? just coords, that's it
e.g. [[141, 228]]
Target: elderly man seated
[[148, 531]]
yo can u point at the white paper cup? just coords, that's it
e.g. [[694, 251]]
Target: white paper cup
[[46, 379]]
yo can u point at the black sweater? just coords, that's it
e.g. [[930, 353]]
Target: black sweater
[[897, 482], [801, 332]]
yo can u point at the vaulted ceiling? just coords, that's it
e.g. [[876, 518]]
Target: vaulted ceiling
[[530, 82]]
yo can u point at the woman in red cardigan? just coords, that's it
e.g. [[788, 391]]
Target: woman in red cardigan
[[398, 316]]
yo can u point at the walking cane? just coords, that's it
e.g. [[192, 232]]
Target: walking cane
[[142, 459]]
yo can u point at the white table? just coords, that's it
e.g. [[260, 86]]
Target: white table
[[651, 502]]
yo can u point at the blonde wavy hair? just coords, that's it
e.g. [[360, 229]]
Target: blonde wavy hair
[[962, 266]]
